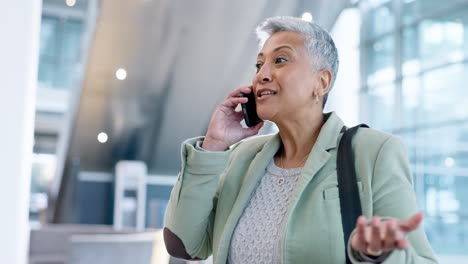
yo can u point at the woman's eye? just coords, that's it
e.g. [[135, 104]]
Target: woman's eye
[[280, 60], [258, 66]]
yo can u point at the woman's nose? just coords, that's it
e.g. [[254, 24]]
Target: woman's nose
[[264, 75]]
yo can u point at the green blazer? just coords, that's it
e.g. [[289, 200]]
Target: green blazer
[[213, 189]]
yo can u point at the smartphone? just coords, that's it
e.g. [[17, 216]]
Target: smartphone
[[250, 110]]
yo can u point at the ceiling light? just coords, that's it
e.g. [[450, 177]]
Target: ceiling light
[[449, 162], [102, 137], [121, 74], [307, 17], [70, 3]]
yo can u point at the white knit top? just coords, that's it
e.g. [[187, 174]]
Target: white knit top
[[257, 236]]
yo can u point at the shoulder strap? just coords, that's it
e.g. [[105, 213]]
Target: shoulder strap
[[350, 202]]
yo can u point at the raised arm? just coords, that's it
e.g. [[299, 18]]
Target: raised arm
[[188, 227]]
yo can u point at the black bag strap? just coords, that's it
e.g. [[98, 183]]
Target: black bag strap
[[350, 202]]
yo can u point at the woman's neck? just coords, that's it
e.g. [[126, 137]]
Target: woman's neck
[[298, 136]]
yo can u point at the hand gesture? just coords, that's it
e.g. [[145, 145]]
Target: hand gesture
[[381, 236], [225, 128]]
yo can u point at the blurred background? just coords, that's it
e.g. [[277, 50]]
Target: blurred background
[[112, 87]]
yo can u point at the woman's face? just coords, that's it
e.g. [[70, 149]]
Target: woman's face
[[285, 81]]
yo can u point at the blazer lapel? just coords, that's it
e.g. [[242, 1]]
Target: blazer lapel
[[317, 159], [319, 155]]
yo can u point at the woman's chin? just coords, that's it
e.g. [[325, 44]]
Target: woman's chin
[[264, 115]]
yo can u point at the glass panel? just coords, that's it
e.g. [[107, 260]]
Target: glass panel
[[71, 40], [435, 42], [382, 104], [445, 166], [48, 37], [64, 75], [46, 72], [414, 9], [380, 61], [434, 119], [441, 180], [444, 142], [445, 95], [380, 18], [441, 41], [59, 52], [411, 102], [410, 51], [446, 222]]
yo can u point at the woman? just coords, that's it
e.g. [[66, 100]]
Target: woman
[[274, 199]]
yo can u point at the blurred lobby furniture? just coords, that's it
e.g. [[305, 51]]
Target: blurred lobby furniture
[[129, 210], [79, 244]]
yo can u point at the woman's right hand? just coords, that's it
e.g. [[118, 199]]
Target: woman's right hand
[[225, 128]]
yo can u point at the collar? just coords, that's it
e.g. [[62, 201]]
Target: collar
[[330, 131]]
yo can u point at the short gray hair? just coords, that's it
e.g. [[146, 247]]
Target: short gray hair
[[318, 42]]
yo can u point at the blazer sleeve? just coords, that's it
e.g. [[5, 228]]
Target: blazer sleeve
[[393, 197], [188, 221]]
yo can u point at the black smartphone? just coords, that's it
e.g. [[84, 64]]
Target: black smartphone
[[250, 110]]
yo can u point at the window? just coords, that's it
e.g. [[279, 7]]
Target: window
[[59, 52], [416, 68]]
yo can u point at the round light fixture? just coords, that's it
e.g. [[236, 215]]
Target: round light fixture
[[307, 17], [70, 3], [449, 162], [102, 137], [121, 74]]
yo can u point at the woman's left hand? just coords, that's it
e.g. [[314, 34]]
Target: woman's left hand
[[381, 236]]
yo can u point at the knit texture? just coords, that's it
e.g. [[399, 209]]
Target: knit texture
[[257, 236]]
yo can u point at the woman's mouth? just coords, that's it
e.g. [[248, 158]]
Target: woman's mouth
[[263, 95]]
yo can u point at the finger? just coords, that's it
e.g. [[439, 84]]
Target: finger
[[412, 223], [238, 91], [253, 130], [390, 237], [239, 115], [402, 243], [359, 239], [234, 101], [375, 242], [400, 238]]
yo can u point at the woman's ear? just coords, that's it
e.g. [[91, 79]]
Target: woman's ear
[[325, 78]]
